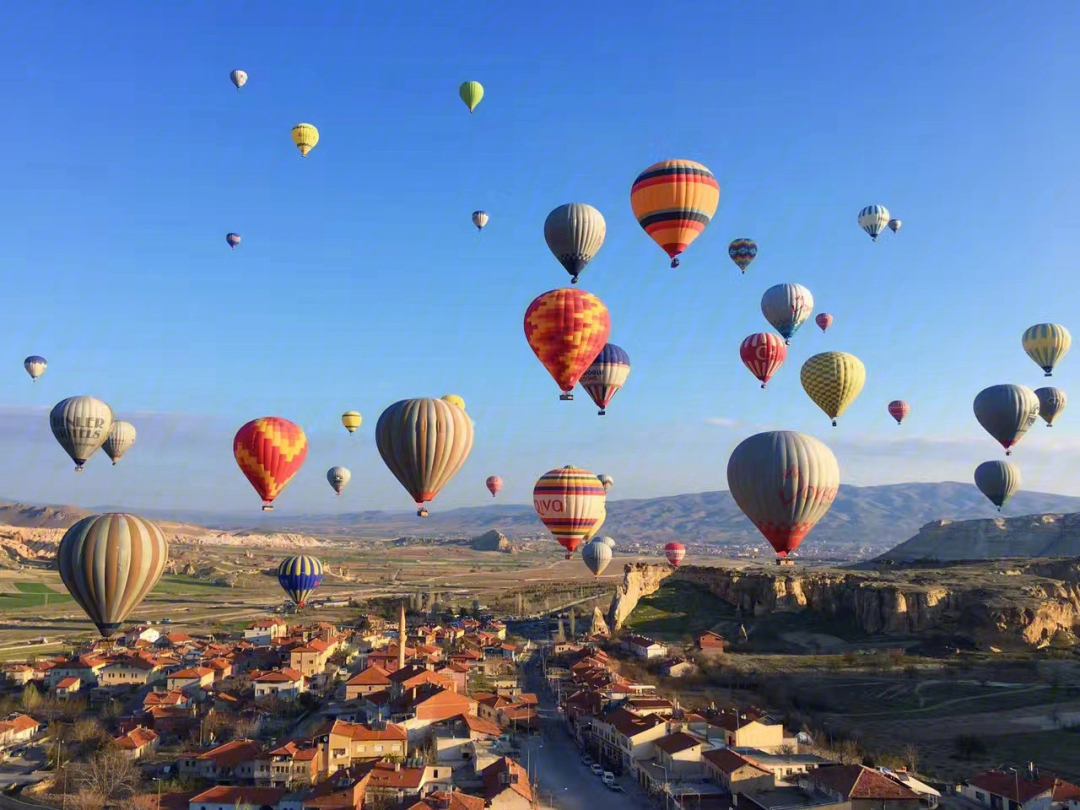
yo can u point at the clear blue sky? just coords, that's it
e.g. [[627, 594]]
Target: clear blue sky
[[361, 281]]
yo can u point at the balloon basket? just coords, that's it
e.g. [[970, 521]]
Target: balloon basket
[[566, 397], [784, 561], [268, 508]]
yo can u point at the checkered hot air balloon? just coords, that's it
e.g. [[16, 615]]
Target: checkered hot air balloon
[[299, 576], [570, 502], [833, 380], [270, 451], [763, 353], [606, 375], [674, 201], [566, 329]]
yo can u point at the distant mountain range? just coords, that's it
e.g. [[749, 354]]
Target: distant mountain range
[[870, 518]]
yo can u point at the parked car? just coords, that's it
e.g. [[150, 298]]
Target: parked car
[[586, 759], [597, 769], [608, 777], [615, 786]]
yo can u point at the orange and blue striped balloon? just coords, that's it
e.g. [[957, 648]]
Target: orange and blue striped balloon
[[673, 201], [270, 451]]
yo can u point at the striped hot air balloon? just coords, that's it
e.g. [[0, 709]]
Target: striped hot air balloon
[[424, 442], [570, 502], [574, 233], [673, 201], [824, 320], [494, 484], [606, 375], [109, 563], [270, 451], [763, 353], [742, 252], [596, 555], [81, 425], [566, 329], [1006, 412], [351, 420], [480, 219], [898, 410], [121, 438], [607, 481], [1046, 344], [873, 220], [299, 576], [1051, 403], [674, 553], [35, 366]]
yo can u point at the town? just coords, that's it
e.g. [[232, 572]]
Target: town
[[399, 711]]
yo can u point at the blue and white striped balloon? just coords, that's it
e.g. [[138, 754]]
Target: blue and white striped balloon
[[299, 576], [873, 219]]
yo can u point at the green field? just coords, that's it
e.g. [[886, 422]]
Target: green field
[[31, 595], [33, 587], [678, 610], [180, 585]]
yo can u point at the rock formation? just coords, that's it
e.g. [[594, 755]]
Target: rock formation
[[1028, 536], [599, 627], [492, 541], [1023, 604]]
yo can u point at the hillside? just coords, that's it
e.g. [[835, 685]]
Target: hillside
[[1046, 535]]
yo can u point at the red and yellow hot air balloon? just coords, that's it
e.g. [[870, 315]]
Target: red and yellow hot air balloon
[[494, 484], [673, 201], [270, 451], [567, 328], [674, 553], [898, 410], [763, 353], [570, 502]]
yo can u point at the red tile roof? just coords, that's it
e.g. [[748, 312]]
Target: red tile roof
[[374, 675], [232, 753], [516, 779], [440, 800], [674, 743], [858, 782], [255, 796], [389, 776], [727, 761], [1007, 783]]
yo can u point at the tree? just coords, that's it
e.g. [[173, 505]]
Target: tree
[[85, 800], [108, 774], [911, 757], [142, 801], [30, 699]]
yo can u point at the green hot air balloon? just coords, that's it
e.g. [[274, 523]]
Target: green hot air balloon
[[1051, 403], [574, 233], [1006, 412], [998, 481], [596, 555], [424, 442], [81, 425], [471, 93], [109, 563]]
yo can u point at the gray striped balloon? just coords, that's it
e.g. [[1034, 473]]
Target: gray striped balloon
[[109, 563]]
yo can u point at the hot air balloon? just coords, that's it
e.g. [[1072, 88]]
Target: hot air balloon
[[566, 329], [338, 478], [454, 399], [570, 502], [233, 239], [1051, 403], [121, 437], [824, 320], [784, 482], [299, 576], [742, 252], [351, 420], [494, 484], [81, 425], [424, 442], [1006, 412], [673, 201], [833, 380], [786, 307], [238, 78], [35, 366], [574, 233], [480, 219], [109, 563], [607, 481], [873, 218], [471, 93], [609, 542], [270, 451], [596, 555], [894, 225], [1046, 344], [998, 481], [305, 136], [606, 375], [595, 530], [675, 553], [898, 410], [763, 353]]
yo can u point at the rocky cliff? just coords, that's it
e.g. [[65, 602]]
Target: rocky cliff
[[1029, 536], [1015, 604]]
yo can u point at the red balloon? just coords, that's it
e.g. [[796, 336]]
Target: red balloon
[[675, 553], [494, 484], [899, 410], [763, 353], [824, 320]]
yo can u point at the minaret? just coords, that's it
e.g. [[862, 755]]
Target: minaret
[[402, 635]]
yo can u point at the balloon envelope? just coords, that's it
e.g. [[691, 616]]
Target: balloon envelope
[[570, 502], [238, 78], [424, 442], [35, 366], [607, 481], [742, 252], [673, 201], [596, 556], [121, 437], [785, 483], [873, 219], [894, 225], [1006, 412], [351, 420], [566, 329], [833, 380], [305, 136], [606, 375], [480, 219], [1051, 403], [494, 484], [824, 320], [898, 410], [270, 451], [299, 576], [998, 481], [675, 553], [471, 93], [574, 233], [81, 425], [1046, 344], [608, 541], [338, 478], [763, 353], [109, 563], [786, 307], [454, 399]]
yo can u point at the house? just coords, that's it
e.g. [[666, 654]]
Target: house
[[236, 798], [734, 773], [676, 667], [232, 761], [19, 674], [441, 800], [679, 755], [749, 730], [191, 679], [347, 742], [395, 782], [138, 742], [291, 763], [265, 631], [709, 644], [310, 658], [455, 739], [643, 647], [285, 683], [372, 679], [1027, 789], [506, 786], [67, 687], [85, 668], [175, 698], [860, 788], [783, 766], [625, 737], [134, 670], [18, 729]]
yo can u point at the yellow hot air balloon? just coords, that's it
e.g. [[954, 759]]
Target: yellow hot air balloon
[[833, 380], [351, 420], [305, 136], [1046, 344], [471, 93], [599, 524], [454, 399]]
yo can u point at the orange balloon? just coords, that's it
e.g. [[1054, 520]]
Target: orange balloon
[[270, 451], [567, 328]]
